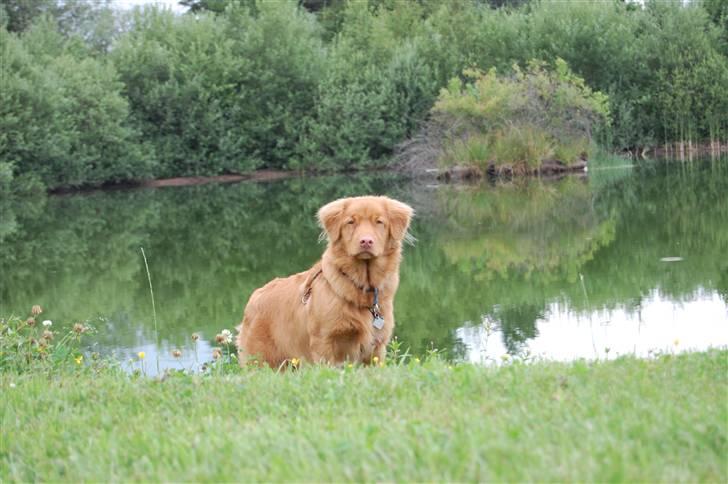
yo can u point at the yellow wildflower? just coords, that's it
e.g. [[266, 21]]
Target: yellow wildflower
[[79, 359], [141, 355], [375, 360], [295, 361]]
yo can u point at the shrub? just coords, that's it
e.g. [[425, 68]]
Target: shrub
[[523, 145], [6, 178], [226, 93], [91, 95], [376, 91], [62, 116], [519, 120], [463, 34], [689, 94]]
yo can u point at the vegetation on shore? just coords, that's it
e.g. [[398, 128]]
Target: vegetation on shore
[[514, 124], [92, 95]]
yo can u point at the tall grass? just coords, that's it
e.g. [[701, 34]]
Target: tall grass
[[154, 306]]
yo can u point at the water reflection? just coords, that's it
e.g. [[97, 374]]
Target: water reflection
[[661, 326], [542, 264]]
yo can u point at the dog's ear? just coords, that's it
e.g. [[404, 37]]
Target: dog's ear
[[330, 218], [400, 215]]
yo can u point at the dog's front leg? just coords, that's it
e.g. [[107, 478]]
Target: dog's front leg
[[336, 349], [321, 351]]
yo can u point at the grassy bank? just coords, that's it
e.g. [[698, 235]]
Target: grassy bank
[[626, 420]]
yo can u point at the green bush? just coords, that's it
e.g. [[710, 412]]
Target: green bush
[[217, 94], [690, 90], [464, 34], [375, 93], [6, 178], [62, 116], [645, 60], [520, 120], [92, 95]]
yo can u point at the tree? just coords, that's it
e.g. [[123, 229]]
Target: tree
[[197, 6], [19, 14]]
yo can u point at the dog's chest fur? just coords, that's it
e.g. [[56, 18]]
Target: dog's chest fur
[[349, 328]]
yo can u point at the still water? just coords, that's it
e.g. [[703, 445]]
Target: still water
[[626, 261]]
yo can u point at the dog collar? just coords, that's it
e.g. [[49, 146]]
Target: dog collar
[[377, 319], [362, 288]]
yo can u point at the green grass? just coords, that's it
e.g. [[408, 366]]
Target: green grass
[[662, 419]]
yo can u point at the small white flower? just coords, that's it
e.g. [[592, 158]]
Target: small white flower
[[227, 336], [12, 385], [47, 323]]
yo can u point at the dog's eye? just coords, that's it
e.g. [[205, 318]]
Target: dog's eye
[[349, 222], [380, 222]]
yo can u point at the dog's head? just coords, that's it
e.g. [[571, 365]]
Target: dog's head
[[365, 227]]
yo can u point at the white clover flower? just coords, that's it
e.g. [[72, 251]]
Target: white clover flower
[[227, 335], [47, 323]]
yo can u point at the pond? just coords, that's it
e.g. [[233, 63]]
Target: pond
[[624, 261]]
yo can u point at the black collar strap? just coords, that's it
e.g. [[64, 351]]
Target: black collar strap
[[374, 308], [377, 319], [362, 288]]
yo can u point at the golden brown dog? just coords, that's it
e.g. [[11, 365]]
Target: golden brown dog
[[341, 309]]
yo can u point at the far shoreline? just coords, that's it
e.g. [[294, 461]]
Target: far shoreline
[[445, 174]]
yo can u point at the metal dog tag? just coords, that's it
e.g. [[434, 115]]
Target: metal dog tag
[[378, 322]]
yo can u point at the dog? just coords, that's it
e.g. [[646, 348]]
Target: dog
[[341, 309]]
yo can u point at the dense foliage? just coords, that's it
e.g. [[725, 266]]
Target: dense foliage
[[518, 121], [93, 95], [62, 115]]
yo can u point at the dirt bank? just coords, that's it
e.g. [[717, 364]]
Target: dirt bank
[[262, 175], [548, 169]]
